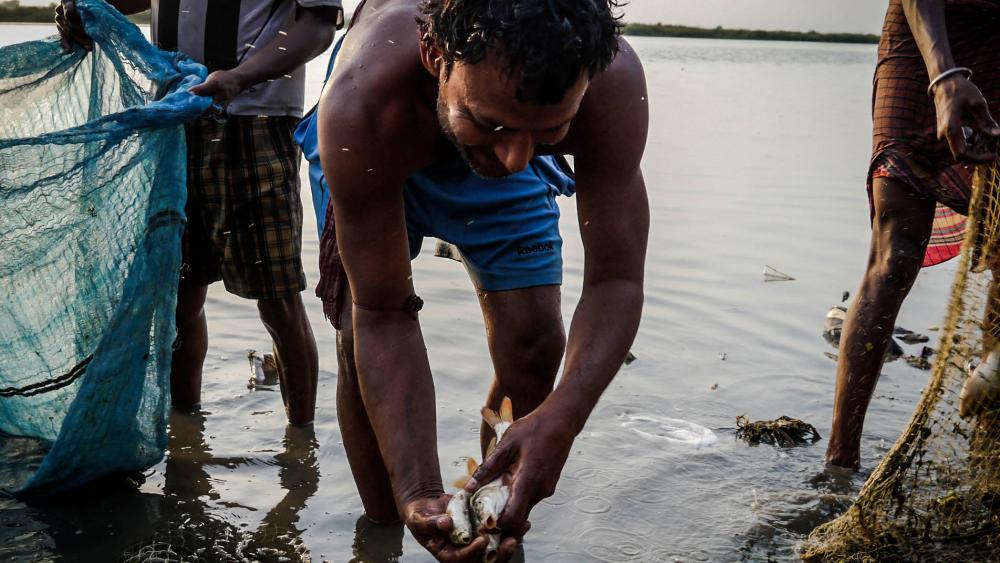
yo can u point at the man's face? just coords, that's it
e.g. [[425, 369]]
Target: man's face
[[495, 132]]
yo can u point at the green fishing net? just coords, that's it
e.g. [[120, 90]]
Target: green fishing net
[[92, 191]]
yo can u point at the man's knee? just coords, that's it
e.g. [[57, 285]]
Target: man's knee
[[536, 349], [900, 232], [896, 262], [190, 304], [282, 313]]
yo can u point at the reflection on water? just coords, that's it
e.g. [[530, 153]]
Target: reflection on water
[[182, 523], [377, 543], [188, 528]]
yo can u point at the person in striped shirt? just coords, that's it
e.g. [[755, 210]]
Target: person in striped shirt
[[244, 212]]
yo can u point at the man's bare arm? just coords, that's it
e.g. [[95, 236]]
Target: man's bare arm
[[613, 212], [367, 195], [927, 23], [609, 137], [366, 167], [308, 35], [957, 100]]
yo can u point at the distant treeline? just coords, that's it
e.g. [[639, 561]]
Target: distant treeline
[[664, 30], [11, 11]]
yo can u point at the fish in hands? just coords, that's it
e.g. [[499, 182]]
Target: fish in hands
[[479, 513]]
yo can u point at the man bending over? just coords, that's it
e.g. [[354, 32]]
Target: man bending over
[[444, 118]]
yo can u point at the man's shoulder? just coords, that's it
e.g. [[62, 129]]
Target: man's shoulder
[[377, 74], [614, 115], [624, 75], [372, 107]]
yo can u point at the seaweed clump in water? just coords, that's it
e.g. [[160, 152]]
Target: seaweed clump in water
[[783, 431]]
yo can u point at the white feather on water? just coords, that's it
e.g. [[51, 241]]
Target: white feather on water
[[675, 430]]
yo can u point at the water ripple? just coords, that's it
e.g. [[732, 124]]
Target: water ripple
[[592, 504]]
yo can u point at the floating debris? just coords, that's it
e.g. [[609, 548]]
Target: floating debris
[[771, 275], [783, 431], [981, 391], [921, 361], [910, 337], [447, 250], [834, 324], [833, 327], [263, 370], [629, 358], [674, 430]]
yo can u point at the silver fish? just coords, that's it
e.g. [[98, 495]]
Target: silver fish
[[480, 512], [487, 504], [458, 510], [489, 501]]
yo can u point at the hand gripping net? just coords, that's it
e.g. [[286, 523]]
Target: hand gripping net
[[936, 494], [92, 189]]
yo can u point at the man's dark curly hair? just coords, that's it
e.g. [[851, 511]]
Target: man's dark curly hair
[[549, 42]]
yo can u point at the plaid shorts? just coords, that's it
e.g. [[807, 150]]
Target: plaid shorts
[[243, 207]]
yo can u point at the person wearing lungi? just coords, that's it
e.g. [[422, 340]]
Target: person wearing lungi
[[936, 84]]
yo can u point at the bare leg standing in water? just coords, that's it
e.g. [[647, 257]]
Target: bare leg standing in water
[[900, 231], [918, 147]]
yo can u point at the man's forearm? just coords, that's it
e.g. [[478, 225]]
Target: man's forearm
[[603, 328], [307, 37], [926, 19], [398, 392]]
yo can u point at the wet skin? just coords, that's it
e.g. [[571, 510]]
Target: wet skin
[[900, 232], [388, 111]]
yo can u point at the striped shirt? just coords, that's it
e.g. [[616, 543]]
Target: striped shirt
[[221, 34]]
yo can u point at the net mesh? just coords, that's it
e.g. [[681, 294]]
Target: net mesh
[[92, 178], [936, 494]]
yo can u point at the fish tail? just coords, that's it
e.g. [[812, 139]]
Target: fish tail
[[506, 410]]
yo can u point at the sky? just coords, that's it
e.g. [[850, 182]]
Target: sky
[[857, 16]]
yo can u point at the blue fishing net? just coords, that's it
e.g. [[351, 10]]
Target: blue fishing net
[[92, 191]]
